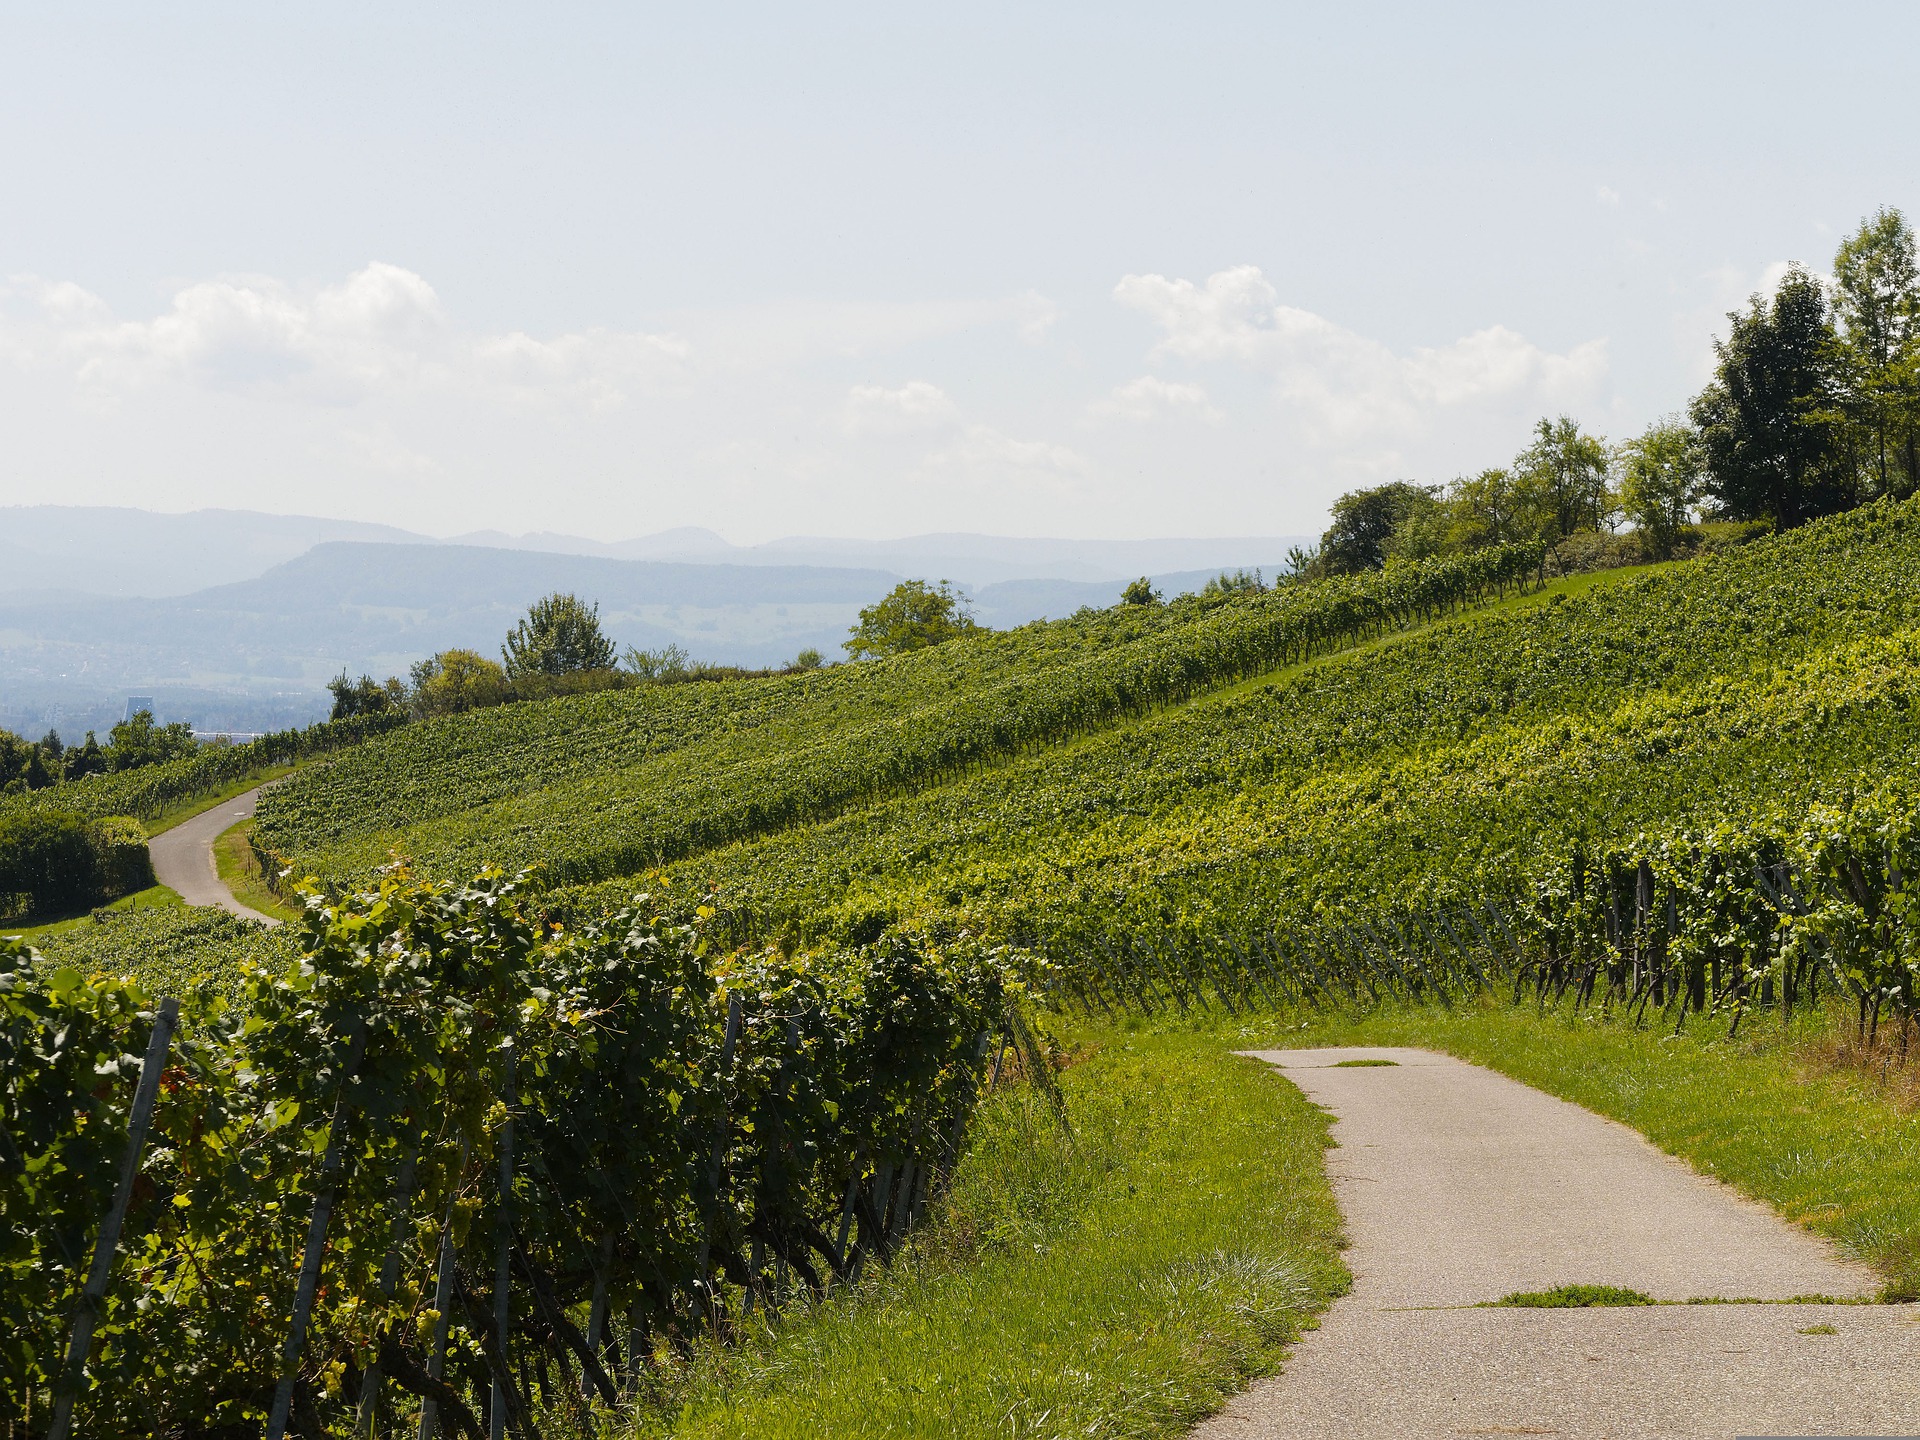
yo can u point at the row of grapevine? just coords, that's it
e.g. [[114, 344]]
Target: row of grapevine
[[735, 785], [1716, 921], [147, 791], [457, 1160]]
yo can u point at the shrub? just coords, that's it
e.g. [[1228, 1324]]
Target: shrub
[[48, 863], [120, 843], [55, 863]]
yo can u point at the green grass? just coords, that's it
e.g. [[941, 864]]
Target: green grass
[[1573, 1297], [1834, 1148], [154, 897], [1361, 1064], [235, 863], [159, 896], [199, 804], [1119, 1283]]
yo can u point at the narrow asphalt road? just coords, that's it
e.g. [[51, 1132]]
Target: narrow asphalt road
[[1460, 1186], [183, 856]]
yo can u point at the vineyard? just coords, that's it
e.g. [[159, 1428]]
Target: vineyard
[[490, 1150], [455, 1168], [608, 785], [147, 791]]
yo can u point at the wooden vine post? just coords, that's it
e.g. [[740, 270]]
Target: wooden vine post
[[442, 1306], [502, 1268], [703, 1278], [316, 1251], [73, 1375]]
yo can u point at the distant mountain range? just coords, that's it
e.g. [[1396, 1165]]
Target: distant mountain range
[[102, 550], [235, 620]]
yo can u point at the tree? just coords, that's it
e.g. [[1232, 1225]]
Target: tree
[[1663, 476], [669, 662], [560, 635], [1363, 525], [809, 659], [1425, 528], [1490, 509], [455, 681], [1561, 480], [140, 741], [1234, 582], [1876, 313], [912, 616], [365, 696], [1303, 562], [1772, 450], [87, 759], [1140, 592]]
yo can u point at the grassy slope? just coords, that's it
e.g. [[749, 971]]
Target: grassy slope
[[1121, 1284], [237, 865]]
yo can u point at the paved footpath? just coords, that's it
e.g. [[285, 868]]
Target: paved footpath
[[183, 856], [1459, 1185]]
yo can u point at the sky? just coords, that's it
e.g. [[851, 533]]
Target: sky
[[1115, 271]]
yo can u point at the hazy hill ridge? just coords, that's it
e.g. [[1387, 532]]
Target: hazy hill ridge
[[253, 650]]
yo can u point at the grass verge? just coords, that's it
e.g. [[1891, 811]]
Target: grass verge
[[239, 870], [154, 897], [1120, 1283], [1833, 1147], [198, 804]]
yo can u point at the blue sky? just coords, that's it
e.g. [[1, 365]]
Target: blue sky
[[870, 270]]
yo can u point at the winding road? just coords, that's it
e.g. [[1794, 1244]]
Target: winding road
[[183, 856], [1460, 1186]]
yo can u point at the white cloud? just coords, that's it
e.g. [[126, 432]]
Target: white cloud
[[1341, 385], [1606, 195], [876, 410], [1151, 398], [381, 328], [983, 457]]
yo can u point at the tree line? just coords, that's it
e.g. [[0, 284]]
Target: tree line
[[559, 648], [135, 742], [1813, 408]]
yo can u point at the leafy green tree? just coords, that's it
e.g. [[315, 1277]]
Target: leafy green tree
[[365, 696], [669, 662], [1363, 525], [1140, 592], [1663, 476], [1304, 563], [560, 635], [912, 616], [1561, 480], [87, 759], [1876, 372], [140, 741], [1425, 528], [809, 659], [1772, 450], [455, 681], [1234, 582], [1490, 509]]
